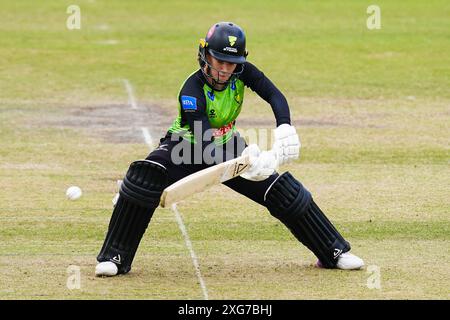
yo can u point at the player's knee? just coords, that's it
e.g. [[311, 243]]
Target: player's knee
[[144, 183], [287, 198]]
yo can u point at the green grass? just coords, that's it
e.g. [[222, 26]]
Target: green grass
[[330, 49], [371, 109]]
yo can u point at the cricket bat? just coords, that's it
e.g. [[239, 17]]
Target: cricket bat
[[203, 179]]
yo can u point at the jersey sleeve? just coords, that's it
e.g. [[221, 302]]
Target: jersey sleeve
[[193, 110], [259, 83], [193, 107]]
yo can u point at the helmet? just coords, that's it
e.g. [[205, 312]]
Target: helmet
[[224, 41]]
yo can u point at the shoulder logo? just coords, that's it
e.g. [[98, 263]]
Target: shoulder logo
[[232, 40], [188, 103]]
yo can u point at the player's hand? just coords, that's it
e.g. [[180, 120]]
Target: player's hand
[[287, 143], [262, 163]]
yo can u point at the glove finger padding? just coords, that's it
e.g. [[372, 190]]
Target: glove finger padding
[[265, 165], [287, 143]]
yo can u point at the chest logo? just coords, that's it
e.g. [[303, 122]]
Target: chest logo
[[238, 99], [212, 113], [222, 130], [211, 95]]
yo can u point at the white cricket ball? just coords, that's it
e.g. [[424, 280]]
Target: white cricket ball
[[73, 193]]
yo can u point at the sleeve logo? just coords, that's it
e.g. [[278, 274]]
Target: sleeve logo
[[188, 103]]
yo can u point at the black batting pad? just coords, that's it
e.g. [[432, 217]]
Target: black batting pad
[[293, 205], [139, 196]]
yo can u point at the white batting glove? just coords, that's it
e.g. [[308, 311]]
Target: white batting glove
[[287, 144], [262, 163]]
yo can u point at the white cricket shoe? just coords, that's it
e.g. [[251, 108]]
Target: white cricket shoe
[[106, 269], [348, 261]]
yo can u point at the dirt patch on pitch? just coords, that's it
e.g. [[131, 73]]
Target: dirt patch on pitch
[[116, 123]]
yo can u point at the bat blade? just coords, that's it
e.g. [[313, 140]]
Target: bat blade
[[204, 179]]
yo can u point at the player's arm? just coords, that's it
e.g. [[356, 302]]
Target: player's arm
[[258, 82], [287, 142]]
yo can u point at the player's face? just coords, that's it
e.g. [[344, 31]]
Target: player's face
[[221, 70]]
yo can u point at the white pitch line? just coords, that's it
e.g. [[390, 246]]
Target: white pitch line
[[149, 142], [191, 250], [147, 137], [131, 98]]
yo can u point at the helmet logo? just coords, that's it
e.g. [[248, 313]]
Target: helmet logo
[[203, 43], [232, 40]]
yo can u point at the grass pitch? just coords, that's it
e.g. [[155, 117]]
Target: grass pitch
[[371, 108]]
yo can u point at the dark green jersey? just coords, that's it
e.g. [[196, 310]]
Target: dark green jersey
[[199, 104]]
